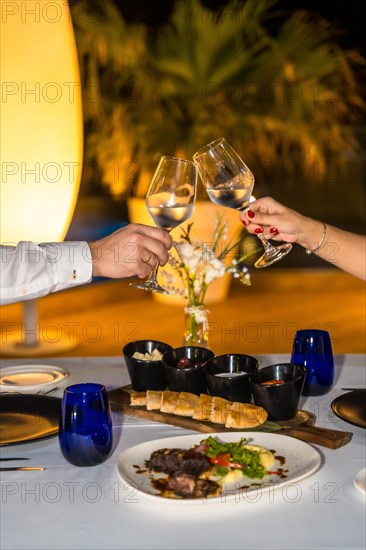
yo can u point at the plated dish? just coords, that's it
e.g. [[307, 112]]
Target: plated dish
[[294, 461], [351, 407], [26, 418], [30, 378]]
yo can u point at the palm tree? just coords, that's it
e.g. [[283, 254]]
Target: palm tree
[[279, 89]]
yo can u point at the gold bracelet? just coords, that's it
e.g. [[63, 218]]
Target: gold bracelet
[[308, 251]]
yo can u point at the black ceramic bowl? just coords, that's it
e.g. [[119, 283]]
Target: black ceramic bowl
[[228, 376], [145, 375], [180, 375], [277, 389]]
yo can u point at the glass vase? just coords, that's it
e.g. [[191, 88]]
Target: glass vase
[[196, 333]]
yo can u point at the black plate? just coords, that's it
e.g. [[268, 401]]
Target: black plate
[[351, 407], [26, 418]]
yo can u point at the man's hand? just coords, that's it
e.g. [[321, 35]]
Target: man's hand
[[130, 251]]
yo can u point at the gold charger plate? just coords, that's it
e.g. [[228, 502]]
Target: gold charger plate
[[351, 407], [26, 417]]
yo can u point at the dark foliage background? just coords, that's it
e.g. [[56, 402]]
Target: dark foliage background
[[345, 206]]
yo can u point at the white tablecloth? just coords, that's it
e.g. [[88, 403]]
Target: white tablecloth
[[84, 508]]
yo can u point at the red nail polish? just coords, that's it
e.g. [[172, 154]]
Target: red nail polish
[[250, 214], [244, 222], [259, 230], [273, 230]]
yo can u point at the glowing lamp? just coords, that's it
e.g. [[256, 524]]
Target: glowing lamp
[[41, 129]]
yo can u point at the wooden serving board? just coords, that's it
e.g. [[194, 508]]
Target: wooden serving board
[[301, 427]]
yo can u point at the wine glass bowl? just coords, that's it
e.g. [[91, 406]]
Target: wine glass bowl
[[227, 179], [170, 201], [229, 182]]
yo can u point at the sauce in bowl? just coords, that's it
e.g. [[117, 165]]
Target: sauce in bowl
[[272, 382]]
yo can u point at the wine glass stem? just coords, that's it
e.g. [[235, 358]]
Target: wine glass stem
[[154, 274], [153, 277], [266, 244]]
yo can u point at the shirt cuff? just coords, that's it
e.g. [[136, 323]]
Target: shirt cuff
[[72, 262]]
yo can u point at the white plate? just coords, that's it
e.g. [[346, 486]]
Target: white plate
[[29, 378], [300, 460], [360, 480]]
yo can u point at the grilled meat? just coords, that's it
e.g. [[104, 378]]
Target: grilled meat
[[178, 461], [187, 486], [183, 468]]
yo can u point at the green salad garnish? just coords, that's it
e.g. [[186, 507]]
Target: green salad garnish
[[233, 456]]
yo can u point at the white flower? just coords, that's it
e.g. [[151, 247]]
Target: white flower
[[214, 270], [197, 264], [190, 254], [197, 286]]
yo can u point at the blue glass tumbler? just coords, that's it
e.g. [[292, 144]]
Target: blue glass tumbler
[[85, 434], [313, 349]]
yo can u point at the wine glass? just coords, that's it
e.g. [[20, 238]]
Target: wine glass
[[229, 182], [85, 434], [170, 200]]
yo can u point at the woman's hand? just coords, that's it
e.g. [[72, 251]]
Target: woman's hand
[[341, 248], [280, 223]]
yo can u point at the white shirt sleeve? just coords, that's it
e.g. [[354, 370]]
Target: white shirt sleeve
[[31, 270]]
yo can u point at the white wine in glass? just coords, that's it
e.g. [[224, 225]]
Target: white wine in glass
[[229, 182], [170, 201]]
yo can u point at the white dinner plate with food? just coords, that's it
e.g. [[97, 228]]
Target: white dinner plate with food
[[31, 378], [294, 460]]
